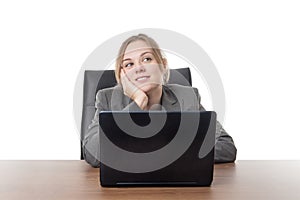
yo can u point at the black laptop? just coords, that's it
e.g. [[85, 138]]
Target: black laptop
[[156, 148]]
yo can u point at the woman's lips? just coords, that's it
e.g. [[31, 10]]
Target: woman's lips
[[142, 78]]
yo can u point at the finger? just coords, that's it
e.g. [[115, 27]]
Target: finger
[[124, 78], [124, 75], [144, 104]]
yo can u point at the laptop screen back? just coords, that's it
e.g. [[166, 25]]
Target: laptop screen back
[[156, 148]]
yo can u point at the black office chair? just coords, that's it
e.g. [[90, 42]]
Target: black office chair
[[96, 80]]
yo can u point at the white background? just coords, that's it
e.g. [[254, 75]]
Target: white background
[[255, 46]]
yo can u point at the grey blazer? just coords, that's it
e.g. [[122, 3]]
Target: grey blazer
[[174, 98]]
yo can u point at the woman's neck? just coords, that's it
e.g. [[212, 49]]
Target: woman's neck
[[154, 98]]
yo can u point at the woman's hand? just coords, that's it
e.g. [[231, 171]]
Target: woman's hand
[[133, 92]]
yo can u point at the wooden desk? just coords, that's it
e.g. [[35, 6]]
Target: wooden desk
[[77, 180]]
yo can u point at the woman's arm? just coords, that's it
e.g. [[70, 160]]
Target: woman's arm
[[91, 146], [225, 150], [133, 92]]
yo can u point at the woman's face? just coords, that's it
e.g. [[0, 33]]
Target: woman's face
[[141, 67]]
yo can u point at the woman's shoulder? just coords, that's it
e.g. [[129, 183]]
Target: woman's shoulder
[[175, 87], [182, 90], [110, 90]]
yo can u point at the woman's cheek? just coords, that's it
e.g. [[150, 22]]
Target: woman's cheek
[[130, 74]]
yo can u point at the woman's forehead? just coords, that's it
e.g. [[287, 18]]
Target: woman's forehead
[[138, 45]]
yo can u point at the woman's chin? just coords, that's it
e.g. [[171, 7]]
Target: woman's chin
[[148, 87]]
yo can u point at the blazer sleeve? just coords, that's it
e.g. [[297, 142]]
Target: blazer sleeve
[[91, 146], [91, 142], [225, 150]]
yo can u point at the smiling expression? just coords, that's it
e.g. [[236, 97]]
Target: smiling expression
[[141, 67]]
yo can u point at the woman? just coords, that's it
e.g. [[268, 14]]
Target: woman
[[142, 74]]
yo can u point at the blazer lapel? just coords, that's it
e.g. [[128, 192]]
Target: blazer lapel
[[169, 100]]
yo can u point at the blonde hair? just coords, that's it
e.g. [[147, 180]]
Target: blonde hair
[[156, 52]]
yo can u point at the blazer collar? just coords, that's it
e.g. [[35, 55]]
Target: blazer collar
[[169, 101]]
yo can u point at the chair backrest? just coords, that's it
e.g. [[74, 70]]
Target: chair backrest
[[97, 80]]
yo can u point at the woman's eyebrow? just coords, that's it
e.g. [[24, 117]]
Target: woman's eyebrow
[[126, 59], [146, 53], [140, 55]]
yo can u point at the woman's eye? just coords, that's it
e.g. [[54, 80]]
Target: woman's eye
[[147, 59], [127, 65]]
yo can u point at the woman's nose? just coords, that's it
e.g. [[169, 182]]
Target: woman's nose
[[139, 68]]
